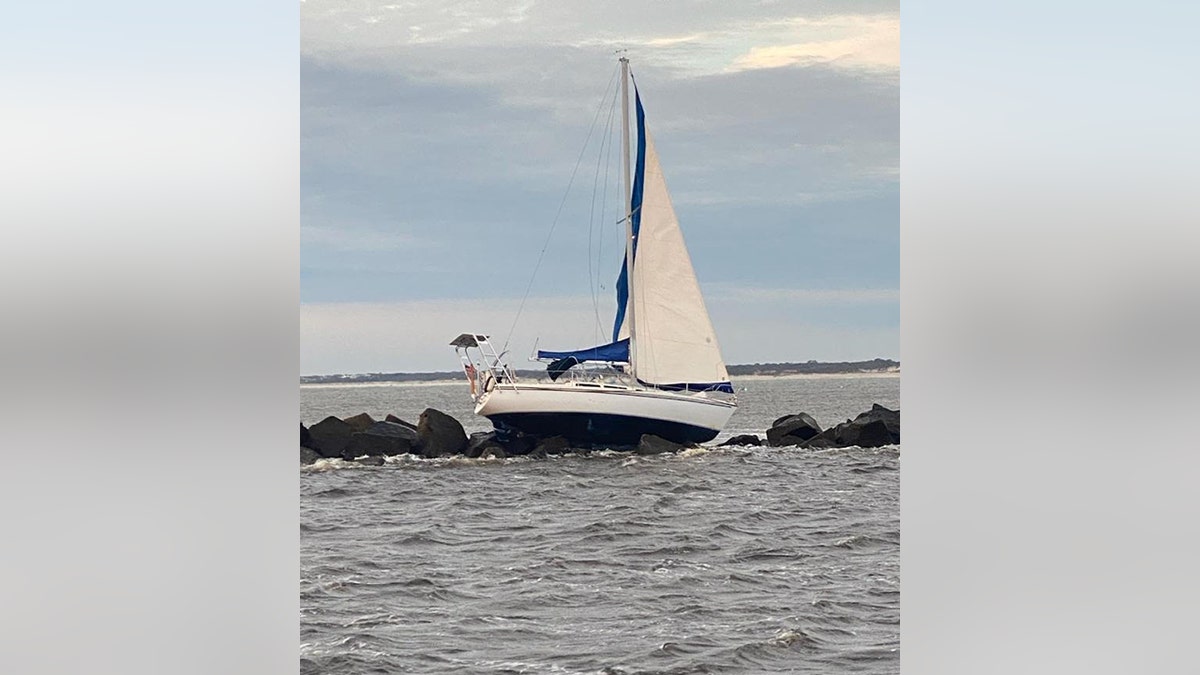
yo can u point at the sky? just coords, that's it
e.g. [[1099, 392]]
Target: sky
[[455, 174]]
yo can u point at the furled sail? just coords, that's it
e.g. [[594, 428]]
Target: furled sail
[[620, 325]]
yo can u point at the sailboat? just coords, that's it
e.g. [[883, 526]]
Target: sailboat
[[661, 374]]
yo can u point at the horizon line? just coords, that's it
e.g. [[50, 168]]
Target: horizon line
[[811, 362]]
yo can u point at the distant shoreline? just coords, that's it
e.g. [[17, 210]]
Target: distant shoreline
[[815, 376], [735, 378], [757, 371]]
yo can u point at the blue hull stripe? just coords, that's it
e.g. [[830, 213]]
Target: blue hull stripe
[[596, 430]]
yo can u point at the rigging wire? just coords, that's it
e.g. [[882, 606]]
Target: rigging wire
[[608, 163], [606, 160], [558, 213]]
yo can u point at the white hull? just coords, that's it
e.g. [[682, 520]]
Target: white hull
[[604, 413]]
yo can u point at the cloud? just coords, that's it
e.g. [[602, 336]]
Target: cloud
[[673, 41], [851, 41], [755, 136], [480, 42]]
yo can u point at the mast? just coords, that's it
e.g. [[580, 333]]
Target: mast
[[628, 201]]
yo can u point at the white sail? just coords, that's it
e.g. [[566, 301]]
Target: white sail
[[673, 341]]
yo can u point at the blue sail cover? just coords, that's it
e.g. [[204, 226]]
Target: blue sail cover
[[614, 351], [635, 210]]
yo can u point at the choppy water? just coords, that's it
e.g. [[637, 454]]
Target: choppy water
[[718, 560]]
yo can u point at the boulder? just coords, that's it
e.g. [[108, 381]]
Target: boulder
[[517, 443], [889, 418], [825, 439], [650, 444], [306, 440], [360, 422], [330, 436], [308, 455], [781, 420], [396, 420], [382, 438], [871, 434], [480, 441], [555, 445], [792, 430], [493, 452], [744, 439], [370, 460], [440, 434], [878, 426]]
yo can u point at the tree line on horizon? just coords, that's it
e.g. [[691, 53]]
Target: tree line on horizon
[[810, 367]]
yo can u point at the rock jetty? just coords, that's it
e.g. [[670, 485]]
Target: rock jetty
[[362, 439], [871, 429]]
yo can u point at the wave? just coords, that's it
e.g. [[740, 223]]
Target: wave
[[864, 541]]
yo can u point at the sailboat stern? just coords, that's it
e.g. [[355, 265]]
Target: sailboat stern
[[481, 365]]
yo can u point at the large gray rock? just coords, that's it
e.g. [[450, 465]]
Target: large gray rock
[[518, 443], [649, 444], [792, 430], [781, 420], [889, 418], [876, 427], [308, 455], [744, 439], [825, 439], [480, 442], [360, 422], [306, 440], [382, 438], [396, 420], [555, 445], [330, 436], [870, 434], [441, 435]]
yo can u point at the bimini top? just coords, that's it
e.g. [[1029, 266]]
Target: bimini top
[[468, 340]]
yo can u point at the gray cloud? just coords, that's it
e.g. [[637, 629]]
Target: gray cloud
[[457, 162]]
